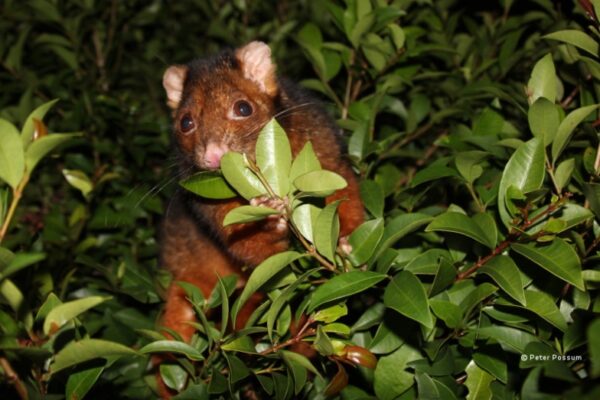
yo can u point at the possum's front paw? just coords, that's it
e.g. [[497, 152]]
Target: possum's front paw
[[344, 245], [279, 204]]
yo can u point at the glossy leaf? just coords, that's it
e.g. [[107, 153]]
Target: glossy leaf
[[576, 38], [524, 171], [364, 240], [12, 157], [406, 295], [399, 227], [29, 125], [478, 382], [344, 285], [558, 258], [503, 270], [88, 349], [245, 214], [327, 230], [261, 274], [240, 177], [65, 312], [305, 217], [80, 382], [306, 161], [274, 157], [208, 184], [544, 119], [566, 128], [459, 223], [392, 378], [319, 183], [172, 346], [39, 148], [543, 305], [543, 81]]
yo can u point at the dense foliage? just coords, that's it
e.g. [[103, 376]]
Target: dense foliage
[[472, 126]]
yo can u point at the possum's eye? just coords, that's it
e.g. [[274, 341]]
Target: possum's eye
[[186, 124], [242, 109]]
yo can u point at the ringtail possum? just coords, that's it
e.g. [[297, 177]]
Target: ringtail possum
[[220, 104]]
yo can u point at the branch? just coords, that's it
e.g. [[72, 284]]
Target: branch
[[513, 237]]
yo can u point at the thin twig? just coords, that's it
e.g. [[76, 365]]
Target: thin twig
[[513, 236], [13, 378]]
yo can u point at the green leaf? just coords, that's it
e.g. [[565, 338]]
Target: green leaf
[[237, 369], [173, 375], [80, 382], [563, 173], [344, 285], [20, 261], [306, 161], [566, 128], [524, 171], [79, 180], [208, 184], [467, 164], [491, 358], [399, 227], [243, 344], [274, 157], [558, 258], [29, 126], [261, 274], [543, 305], [305, 217], [406, 295], [392, 377], [476, 296], [511, 339], [331, 314], [456, 222], [503, 270], [65, 312], [240, 177], [322, 342], [327, 230], [593, 334], [478, 382], [172, 346], [12, 157], [243, 214], [372, 196], [320, 183], [86, 350], [576, 38], [544, 119], [543, 81], [364, 240], [592, 195], [39, 148], [430, 388], [448, 312], [282, 300]]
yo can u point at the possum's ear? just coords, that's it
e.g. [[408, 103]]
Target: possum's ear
[[255, 58], [173, 80]]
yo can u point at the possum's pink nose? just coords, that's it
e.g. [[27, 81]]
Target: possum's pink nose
[[213, 155]]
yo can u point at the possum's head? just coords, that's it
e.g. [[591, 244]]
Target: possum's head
[[221, 103]]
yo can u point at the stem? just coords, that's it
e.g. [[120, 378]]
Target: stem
[[13, 378], [16, 197], [513, 236], [348, 93], [478, 202], [302, 333]]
